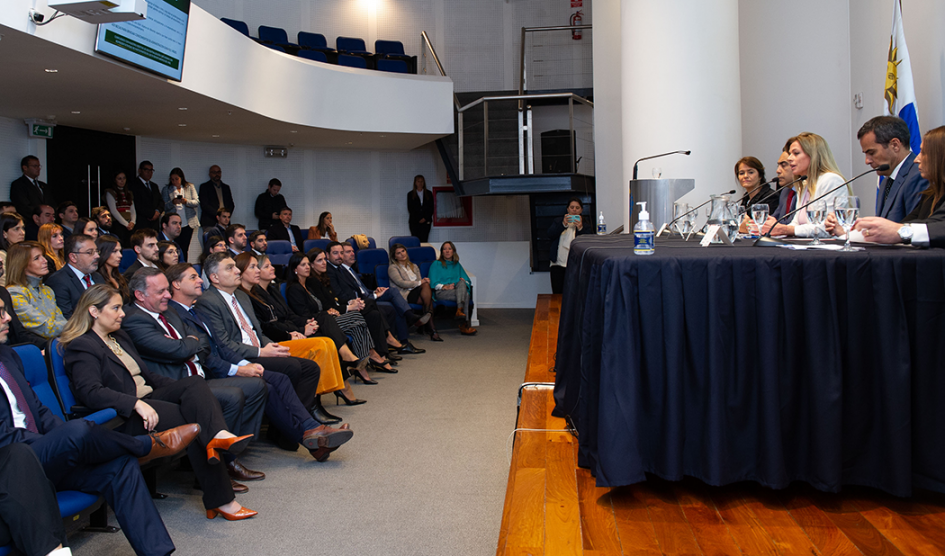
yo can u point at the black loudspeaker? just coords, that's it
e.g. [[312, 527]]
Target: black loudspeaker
[[556, 151]]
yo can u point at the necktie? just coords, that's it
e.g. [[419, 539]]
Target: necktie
[[790, 201], [88, 282], [360, 283], [197, 318], [192, 369], [20, 399], [245, 325], [889, 184]]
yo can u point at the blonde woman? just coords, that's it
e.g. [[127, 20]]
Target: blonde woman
[[50, 237], [34, 303], [407, 280]]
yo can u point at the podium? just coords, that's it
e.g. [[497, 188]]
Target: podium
[[659, 196]]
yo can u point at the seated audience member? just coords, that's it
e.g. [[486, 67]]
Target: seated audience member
[[87, 226], [68, 215], [214, 244], [219, 226], [284, 230], [120, 202], [409, 283], [787, 199], [50, 237], [809, 155], [7, 207], [324, 230], [71, 281], [235, 239], [43, 214], [258, 242], [284, 408], [18, 334], [34, 303], [172, 349], [561, 233], [925, 225], [171, 232], [214, 195], [229, 313], [145, 244], [180, 198], [107, 372], [12, 231], [450, 281], [300, 341], [309, 292], [168, 255], [103, 217], [29, 511], [109, 259], [80, 455], [420, 209], [268, 204], [885, 140]]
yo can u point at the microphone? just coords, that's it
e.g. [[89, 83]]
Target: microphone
[[687, 153], [759, 186], [766, 241], [766, 197], [673, 221]]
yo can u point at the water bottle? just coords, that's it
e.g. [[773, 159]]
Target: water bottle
[[643, 233], [601, 225]]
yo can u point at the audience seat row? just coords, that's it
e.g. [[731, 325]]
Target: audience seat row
[[377, 261]]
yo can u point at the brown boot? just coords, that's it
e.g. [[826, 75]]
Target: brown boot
[[467, 330]]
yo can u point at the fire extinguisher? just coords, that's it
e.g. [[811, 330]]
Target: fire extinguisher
[[577, 18]]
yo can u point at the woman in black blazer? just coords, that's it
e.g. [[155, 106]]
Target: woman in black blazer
[[420, 207], [107, 372]]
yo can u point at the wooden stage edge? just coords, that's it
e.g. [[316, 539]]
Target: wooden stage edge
[[552, 507]]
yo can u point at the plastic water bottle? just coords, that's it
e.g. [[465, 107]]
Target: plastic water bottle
[[643, 233], [601, 225]]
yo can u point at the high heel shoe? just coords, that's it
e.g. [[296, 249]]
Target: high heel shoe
[[379, 367], [243, 513], [233, 445], [340, 396], [362, 376]]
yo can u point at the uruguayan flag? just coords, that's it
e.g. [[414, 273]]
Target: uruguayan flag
[[900, 91]]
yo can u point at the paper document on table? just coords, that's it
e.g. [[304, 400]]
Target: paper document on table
[[826, 247]]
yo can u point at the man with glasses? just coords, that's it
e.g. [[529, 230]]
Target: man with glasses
[[78, 275], [148, 200], [27, 192]]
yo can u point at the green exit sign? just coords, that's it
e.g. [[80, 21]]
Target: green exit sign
[[43, 131]]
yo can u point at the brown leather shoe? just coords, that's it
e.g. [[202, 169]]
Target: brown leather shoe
[[238, 488], [240, 472], [170, 442], [326, 437], [321, 454], [467, 330]]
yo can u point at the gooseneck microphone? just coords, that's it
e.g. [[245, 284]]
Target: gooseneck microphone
[[673, 221], [766, 240], [769, 195], [759, 186], [687, 153]]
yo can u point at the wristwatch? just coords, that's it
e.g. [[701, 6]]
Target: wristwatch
[[905, 234]]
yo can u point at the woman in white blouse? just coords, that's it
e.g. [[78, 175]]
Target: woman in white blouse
[[180, 197], [810, 155], [407, 280]]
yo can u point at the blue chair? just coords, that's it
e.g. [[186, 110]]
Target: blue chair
[[313, 55], [198, 268], [381, 275], [351, 45], [368, 259], [236, 24], [320, 243], [279, 252], [314, 41], [275, 35], [371, 243], [352, 61], [282, 289], [61, 386], [392, 66], [406, 241], [389, 48], [419, 255], [275, 47], [128, 258]]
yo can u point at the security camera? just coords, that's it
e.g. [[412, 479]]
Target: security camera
[[36, 17]]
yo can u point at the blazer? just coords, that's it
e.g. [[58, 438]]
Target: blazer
[[164, 355], [783, 207], [99, 378], [222, 356], [279, 232], [135, 267], [418, 211], [19, 334], [275, 316], [45, 419], [188, 212], [398, 278], [147, 200], [343, 284], [68, 288], [904, 194], [26, 197], [215, 312], [301, 298], [210, 204]]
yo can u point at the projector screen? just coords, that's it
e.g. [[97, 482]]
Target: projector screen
[[155, 44]]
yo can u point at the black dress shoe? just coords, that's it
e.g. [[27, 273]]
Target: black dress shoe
[[240, 472], [382, 368], [393, 357], [410, 348], [322, 416]]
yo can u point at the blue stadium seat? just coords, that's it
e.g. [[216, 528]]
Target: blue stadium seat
[[320, 243], [236, 24], [314, 55], [370, 258], [128, 258], [371, 243], [419, 255], [392, 66], [394, 51], [352, 61], [274, 35], [406, 241], [198, 268], [282, 289], [381, 276], [387, 48], [275, 47], [351, 45], [61, 386], [279, 251], [314, 41]]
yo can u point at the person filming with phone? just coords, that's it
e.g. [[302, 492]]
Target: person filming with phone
[[561, 233]]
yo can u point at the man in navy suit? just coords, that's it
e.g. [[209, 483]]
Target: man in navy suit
[[170, 231], [80, 455], [285, 231], [29, 513], [149, 204], [885, 140], [71, 281], [214, 195], [27, 192]]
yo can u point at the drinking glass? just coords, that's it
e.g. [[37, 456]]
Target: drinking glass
[[817, 213], [847, 209], [683, 224], [759, 214], [657, 172]]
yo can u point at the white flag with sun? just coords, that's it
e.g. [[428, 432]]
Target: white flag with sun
[[900, 91]]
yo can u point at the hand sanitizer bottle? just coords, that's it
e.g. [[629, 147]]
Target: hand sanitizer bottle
[[643, 233], [601, 225]]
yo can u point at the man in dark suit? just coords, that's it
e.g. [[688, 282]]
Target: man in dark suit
[[43, 214], [170, 231], [68, 215], [285, 231], [221, 222], [258, 242], [27, 192], [78, 275], [268, 204], [144, 242], [80, 455], [235, 239], [929, 232], [788, 197], [29, 512], [149, 204], [284, 408], [214, 195], [886, 140], [172, 348], [103, 217]]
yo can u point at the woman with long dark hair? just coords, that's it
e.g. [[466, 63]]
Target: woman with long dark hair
[[325, 229], [12, 231], [109, 259], [407, 280], [121, 203]]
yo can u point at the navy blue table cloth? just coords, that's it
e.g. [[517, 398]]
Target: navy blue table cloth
[[743, 363]]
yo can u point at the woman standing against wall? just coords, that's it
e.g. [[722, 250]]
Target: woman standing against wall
[[420, 207]]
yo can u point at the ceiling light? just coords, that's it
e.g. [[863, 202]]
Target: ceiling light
[[76, 112], [127, 129], [214, 136], [182, 108], [181, 125], [293, 131], [49, 70]]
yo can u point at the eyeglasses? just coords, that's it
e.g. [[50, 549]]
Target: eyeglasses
[[87, 252]]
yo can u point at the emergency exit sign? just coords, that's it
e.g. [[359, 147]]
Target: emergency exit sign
[[41, 131]]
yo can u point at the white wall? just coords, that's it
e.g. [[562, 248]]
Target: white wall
[[503, 277], [14, 145], [612, 185]]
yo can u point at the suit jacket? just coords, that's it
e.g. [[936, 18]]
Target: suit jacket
[[222, 356], [274, 315], [26, 196], [209, 204], [214, 230], [147, 199], [68, 288], [418, 211], [19, 334], [99, 378], [45, 419], [343, 284], [266, 204], [214, 310], [135, 267], [904, 194], [783, 207], [164, 355], [279, 232]]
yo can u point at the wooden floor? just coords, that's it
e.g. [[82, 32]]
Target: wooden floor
[[553, 507]]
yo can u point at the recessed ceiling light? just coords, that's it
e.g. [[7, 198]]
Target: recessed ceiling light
[[181, 125], [76, 112], [214, 136], [182, 108], [293, 131], [49, 70], [127, 129], [349, 143]]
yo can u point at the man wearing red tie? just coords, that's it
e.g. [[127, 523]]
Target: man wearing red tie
[[71, 281]]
